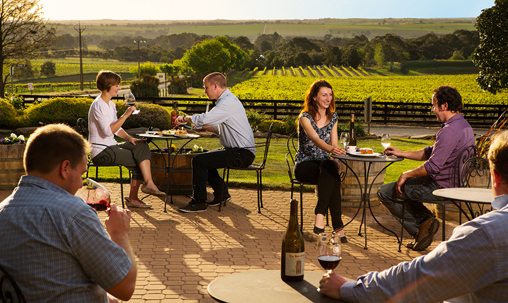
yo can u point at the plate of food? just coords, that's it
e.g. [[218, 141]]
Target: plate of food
[[188, 136], [365, 152], [170, 132]]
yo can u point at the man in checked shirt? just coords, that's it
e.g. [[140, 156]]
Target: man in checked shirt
[[51, 242]]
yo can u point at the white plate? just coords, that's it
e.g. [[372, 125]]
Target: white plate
[[358, 154], [187, 136]]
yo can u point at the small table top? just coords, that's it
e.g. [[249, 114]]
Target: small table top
[[468, 194], [266, 286], [368, 158], [167, 137]]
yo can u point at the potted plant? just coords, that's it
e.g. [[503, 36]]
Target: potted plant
[[12, 149]]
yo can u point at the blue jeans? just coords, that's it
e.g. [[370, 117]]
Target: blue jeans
[[414, 193]]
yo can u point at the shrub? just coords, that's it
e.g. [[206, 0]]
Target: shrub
[[150, 115], [359, 130], [58, 110], [48, 68], [16, 101], [290, 125], [255, 118], [148, 87], [10, 117], [278, 126]]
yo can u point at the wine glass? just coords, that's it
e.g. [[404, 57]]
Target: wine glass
[[329, 252], [385, 141], [95, 195], [130, 99], [343, 138]]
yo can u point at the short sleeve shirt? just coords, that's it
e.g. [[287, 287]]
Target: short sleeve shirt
[[55, 246], [307, 151]]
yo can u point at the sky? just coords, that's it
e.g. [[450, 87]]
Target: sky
[[56, 10]]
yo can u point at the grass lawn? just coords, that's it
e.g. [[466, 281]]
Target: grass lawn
[[275, 175]]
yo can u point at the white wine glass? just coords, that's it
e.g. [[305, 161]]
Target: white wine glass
[[329, 251], [95, 195], [385, 141], [130, 100], [343, 138]]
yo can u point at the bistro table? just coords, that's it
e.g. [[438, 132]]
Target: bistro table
[[365, 192], [468, 195], [169, 141], [266, 286]]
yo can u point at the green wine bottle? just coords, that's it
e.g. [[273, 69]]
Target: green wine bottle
[[293, 249]]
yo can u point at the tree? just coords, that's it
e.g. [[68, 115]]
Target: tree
[[379, 56], [333, 55], [351, 57], [145, 69], [22, 32], [215, 55], [48, 68], [491, 56]]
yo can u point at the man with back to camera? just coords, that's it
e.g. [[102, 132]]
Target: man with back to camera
[[416, 186], [52, 243], [470, 267], [229, 120]]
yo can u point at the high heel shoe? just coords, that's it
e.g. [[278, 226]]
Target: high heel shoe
[[342, 239], [318, 230]]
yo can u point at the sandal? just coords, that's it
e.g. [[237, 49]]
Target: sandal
[[130, 204]]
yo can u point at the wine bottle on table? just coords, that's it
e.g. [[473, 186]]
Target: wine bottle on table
[[293, 249], [174, 115], [351, 146]]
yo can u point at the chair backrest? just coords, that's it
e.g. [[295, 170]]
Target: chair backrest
[[82, 127], [467, 153], [476, 173], [266, 145], [292, 146], [9, 290]]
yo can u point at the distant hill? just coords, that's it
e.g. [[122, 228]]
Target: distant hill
[[310, 28]]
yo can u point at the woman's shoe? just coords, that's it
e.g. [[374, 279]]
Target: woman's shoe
[[343, 239], [150, 191], [130, 204], [318, 230]]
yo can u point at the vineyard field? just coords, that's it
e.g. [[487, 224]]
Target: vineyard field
[[392, 89]]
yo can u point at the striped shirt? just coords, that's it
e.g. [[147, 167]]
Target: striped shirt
[[55, 246]]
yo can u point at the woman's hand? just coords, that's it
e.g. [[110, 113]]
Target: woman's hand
[[337, 151], [129, 111]]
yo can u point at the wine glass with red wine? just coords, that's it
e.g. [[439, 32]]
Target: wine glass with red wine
[[95, 195], [329, 251]]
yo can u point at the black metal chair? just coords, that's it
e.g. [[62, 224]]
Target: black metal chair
[[253, 167], [82, 128], [292, 146], [475, 173], [9, 290], [467, 153]]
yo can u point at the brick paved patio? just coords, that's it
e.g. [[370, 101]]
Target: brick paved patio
[[180, 254]]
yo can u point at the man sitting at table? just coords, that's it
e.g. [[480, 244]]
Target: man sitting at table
[[416, 186], [229, 120], [470, 267], [52, 243]]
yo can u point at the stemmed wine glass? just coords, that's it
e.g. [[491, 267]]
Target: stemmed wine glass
[[329, 251], [343, 138], [385, 141], [130, 99], [95, 195]]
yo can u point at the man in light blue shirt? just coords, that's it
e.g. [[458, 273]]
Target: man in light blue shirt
[[229, 120], [472, 266], [52, 243]]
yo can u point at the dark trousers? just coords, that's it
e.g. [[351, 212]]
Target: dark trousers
[[126, 154], [326, 176], [205, 165]]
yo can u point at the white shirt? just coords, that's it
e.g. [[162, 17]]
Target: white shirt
[[100, 118]]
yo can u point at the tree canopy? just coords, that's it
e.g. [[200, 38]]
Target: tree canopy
[[215, 55], [491, 56], [22, 32]]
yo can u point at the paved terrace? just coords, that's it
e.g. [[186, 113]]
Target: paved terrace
[[180, 254]]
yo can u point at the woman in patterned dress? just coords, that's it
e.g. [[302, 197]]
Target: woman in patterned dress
[[317, 139]]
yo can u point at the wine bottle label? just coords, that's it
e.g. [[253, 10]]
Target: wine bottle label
[[294, 264]]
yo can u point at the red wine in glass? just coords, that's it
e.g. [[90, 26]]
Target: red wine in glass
[[329, 262], [95, 195]]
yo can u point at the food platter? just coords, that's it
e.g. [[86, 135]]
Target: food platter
[[358, 154]]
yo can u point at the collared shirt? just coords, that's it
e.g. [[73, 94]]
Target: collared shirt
[[55, 246], [307, 150], [100, 117], [229, 114], [454, 135], [472, 266]]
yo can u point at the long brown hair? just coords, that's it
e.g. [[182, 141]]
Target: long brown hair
[[309, 104]]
